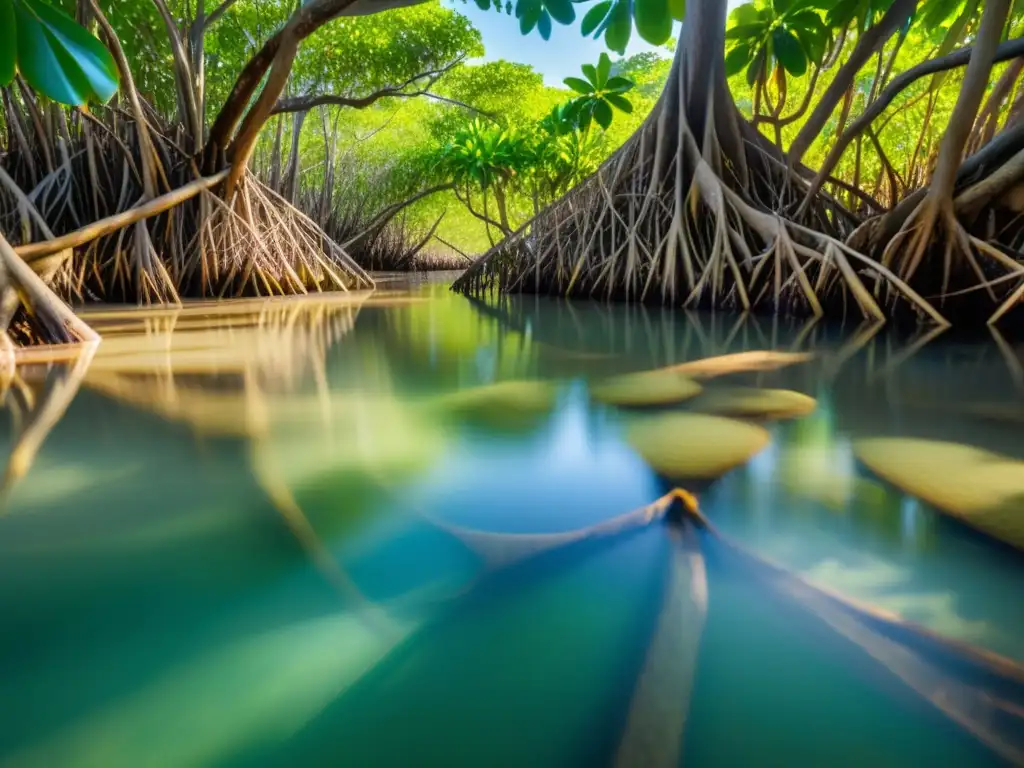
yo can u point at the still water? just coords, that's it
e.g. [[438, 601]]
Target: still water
[[276, 533]]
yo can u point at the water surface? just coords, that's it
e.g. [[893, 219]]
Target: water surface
[[237, 543]]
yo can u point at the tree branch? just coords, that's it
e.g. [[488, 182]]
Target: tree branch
[[219, 11], [482, 216], [304, 22], [866, 47], [1011, 49], [308, 102], [392, 210]]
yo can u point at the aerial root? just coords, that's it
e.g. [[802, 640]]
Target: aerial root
[[934, 221]]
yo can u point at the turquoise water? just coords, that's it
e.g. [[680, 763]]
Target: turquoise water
[[241, 544]]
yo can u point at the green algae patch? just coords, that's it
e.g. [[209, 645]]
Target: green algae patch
[[982, 489], [660, 387], [681, 446]]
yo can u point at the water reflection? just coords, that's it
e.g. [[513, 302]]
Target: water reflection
[[277, 532]]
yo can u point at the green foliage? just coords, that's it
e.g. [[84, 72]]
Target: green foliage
[[599, 94], [785, 34], [57, 56], [485, 154], [614, 19]]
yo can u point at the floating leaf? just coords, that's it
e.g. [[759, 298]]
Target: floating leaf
[[692, 446], [659, 387], [757, 403], [983, 489], [741, 362], [509, 405]]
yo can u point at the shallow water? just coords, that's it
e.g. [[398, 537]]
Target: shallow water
[[243, 542]]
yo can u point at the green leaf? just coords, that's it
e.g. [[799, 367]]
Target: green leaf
[[530, 17], [8, 42], [789, 52], [604, 68], [937, 11], [579, 85], [41, 64], [813, 35], [677, 9], [590, 72], [745, 14], [619, 84], [594, 17], [586, 113], [544, 25], [738, 59], [842, 13], [746, 31], [59, 58], [561, 11], [781, 6], [89, 55], [756, 67], [483, 5], [603, 114], [653, 21], [620, 27], [621, 103]]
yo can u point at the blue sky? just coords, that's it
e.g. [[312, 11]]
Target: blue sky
[[557, 58]]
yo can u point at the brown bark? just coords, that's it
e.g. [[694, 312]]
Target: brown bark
[[279, 52], [291, 176], [971, 92], [869, 43]]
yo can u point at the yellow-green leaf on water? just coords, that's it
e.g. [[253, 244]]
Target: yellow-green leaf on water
[[661, 387], [750, 402], [682, 446], [740, 362], [503, 406], [981, 488]]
